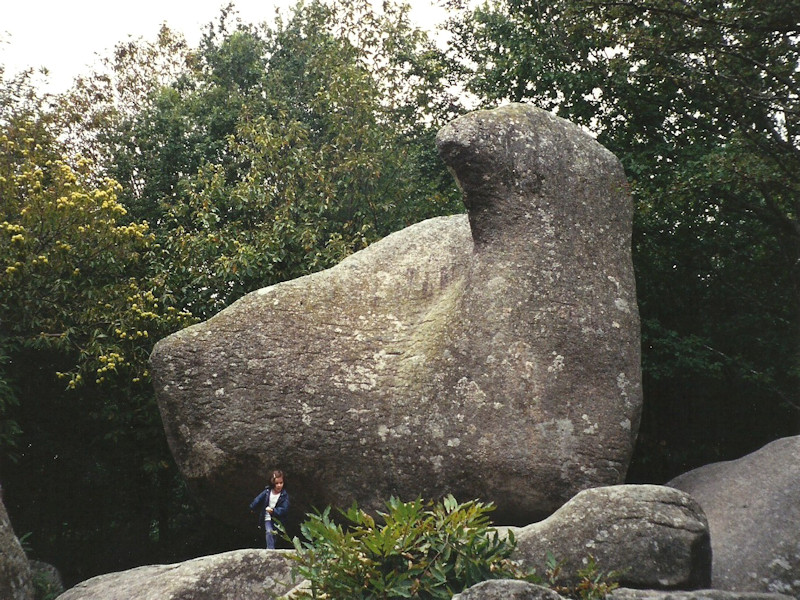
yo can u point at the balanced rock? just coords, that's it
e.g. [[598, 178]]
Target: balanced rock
[[235, 575], [16, 582], [494, 355], [653, 536], [753, 510]]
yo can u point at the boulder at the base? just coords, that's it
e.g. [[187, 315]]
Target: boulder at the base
[[491, 355], [16, 582], [753, 510], [235, 575], [654, 536], [706, 594], [507, 589]]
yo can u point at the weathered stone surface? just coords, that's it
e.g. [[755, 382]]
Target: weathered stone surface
[[753, 510], [492, 356], [236, 575], [656, 537], [15, 573], [504, 589], [708, 594], [507, 589]]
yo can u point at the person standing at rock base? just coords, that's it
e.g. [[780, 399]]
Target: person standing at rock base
[[272, 505]]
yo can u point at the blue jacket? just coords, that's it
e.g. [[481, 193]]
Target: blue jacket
[[261, 502]]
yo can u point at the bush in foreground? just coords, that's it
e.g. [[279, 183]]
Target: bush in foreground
[[422, 550]]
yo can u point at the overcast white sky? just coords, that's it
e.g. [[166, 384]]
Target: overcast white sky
[[65, 36]]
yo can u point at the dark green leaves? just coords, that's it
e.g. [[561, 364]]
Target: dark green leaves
[[413, 550]]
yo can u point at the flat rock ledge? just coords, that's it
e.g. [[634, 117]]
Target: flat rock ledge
[[706, 594], [506, 589], [235, 575]]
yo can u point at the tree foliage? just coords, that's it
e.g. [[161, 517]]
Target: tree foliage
[[276, 151], [415, 550], [698, 99], [80, 308]]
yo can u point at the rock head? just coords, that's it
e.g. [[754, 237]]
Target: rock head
[[493, 355]]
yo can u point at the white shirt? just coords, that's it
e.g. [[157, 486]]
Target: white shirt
[[273, 501]]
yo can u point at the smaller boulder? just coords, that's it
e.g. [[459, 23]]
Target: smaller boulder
[[654, 536], [753, 510], [235, 575], [507, 589]]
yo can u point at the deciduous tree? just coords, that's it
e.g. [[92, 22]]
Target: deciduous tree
[[80, 308]]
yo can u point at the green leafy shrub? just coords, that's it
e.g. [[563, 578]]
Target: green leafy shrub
[[590, 583], [45, 587], [418, 550]]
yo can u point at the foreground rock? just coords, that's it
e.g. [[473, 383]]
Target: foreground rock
[[708, 594], [753, 510], [507, 589], [494, 355], [656, 537], [504, 589], [236, 575], [16, 582]]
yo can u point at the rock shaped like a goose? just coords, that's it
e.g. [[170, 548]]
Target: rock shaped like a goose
[[492, 356]]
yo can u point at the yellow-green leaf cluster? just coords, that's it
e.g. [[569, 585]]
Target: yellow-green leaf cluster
[[74, 275]]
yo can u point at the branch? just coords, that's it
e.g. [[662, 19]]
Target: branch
[[783, 396]]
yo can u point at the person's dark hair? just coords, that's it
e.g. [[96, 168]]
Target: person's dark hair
[[275, 474]]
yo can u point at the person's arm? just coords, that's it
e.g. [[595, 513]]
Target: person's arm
[[258, 500], [282, 507]]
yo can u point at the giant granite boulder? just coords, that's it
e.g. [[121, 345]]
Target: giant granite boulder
[[753, 510], [492, 355], [654, 536]]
